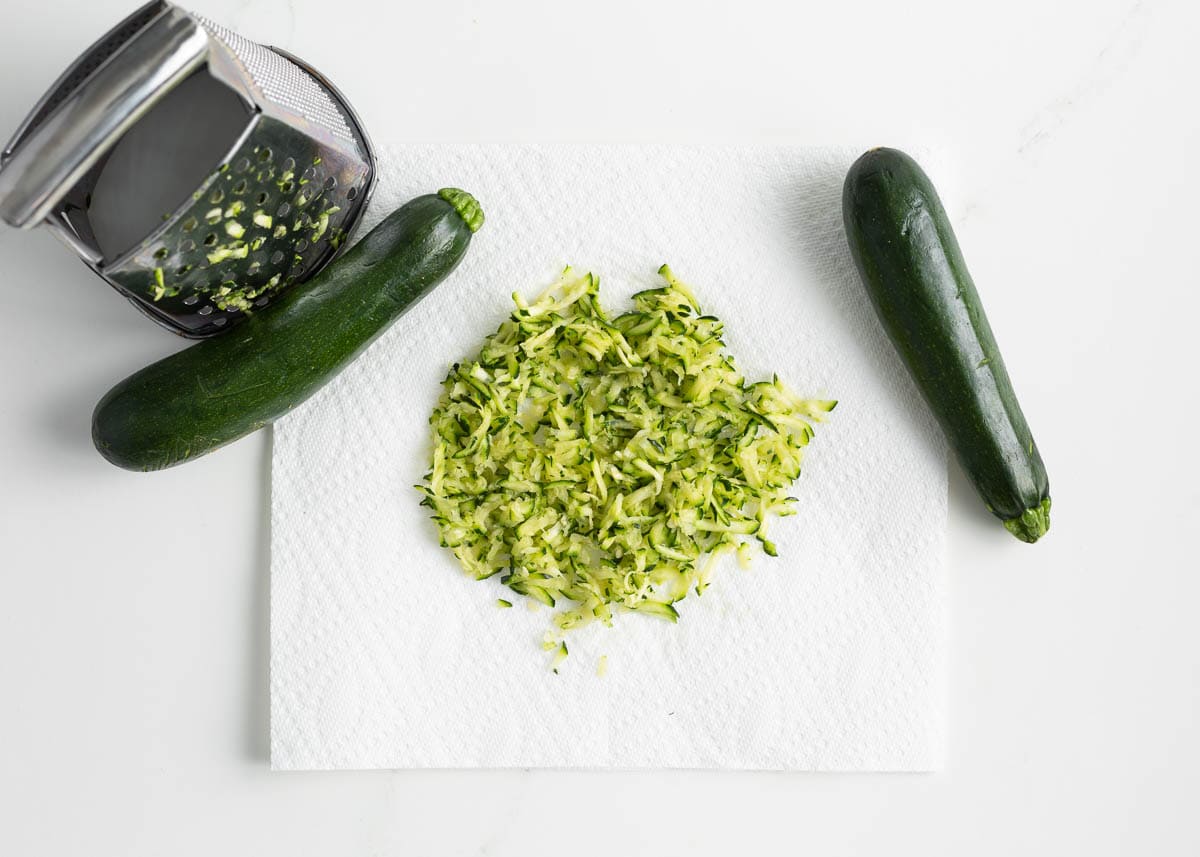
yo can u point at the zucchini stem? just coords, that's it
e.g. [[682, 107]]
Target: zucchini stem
[[1031, 524], [466, 206]]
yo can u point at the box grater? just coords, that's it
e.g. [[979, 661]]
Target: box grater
[[198, 172]]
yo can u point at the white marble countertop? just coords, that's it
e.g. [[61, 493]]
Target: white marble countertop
[[133, 609]]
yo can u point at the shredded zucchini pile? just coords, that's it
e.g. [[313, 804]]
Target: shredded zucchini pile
[[610, 462]]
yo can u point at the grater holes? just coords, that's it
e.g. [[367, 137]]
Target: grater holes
[[352, 193], [187, 245], [285, 83], [301, 245], [309, 173], [285, 208], [210, 239], [241, 187], [182, 270], [161, 253], [243, 164], [263, 301], [287, 186], [289, 164], [262, 199], [264, 154], [276, 257], [206, 310], [220, 322], [191, 300], [217, 196], [330, 183], [189, 224]]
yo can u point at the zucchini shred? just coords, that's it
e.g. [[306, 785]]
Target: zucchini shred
[[609, 463]]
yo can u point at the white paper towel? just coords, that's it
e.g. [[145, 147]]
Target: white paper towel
[[385, 655]]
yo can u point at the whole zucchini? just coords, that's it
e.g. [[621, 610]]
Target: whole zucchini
[[224, 388], [909, 260]]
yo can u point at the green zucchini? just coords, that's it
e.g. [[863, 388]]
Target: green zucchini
[[224, 388], [911, 265], [604, 463]]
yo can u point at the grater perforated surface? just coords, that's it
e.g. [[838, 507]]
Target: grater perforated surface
[[268, 218], [283, 82], [274, 213], [205, 207]]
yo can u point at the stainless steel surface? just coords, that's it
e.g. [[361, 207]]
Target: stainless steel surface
[[359, 130], [246, 215], [51, 157], [81, 69]]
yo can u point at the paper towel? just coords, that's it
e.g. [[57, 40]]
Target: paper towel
[[829, 657]]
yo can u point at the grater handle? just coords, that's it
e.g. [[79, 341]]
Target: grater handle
[[53, 156]]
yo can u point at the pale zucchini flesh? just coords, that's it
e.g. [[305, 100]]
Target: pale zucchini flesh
[[600, 463]]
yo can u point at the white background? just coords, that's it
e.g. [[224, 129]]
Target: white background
[[133, 636]]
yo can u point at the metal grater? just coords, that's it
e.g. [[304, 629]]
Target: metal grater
[[197, 172]]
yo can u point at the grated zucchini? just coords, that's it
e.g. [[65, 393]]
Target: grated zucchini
[[601, 464]]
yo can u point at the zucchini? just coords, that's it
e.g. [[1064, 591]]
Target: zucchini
[[221, 389], [603, 464], [913, 270]]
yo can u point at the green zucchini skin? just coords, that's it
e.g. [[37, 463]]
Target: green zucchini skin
[[909, 260], [221, 389]]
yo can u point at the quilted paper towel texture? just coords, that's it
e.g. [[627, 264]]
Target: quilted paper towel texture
[[829, 657]]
